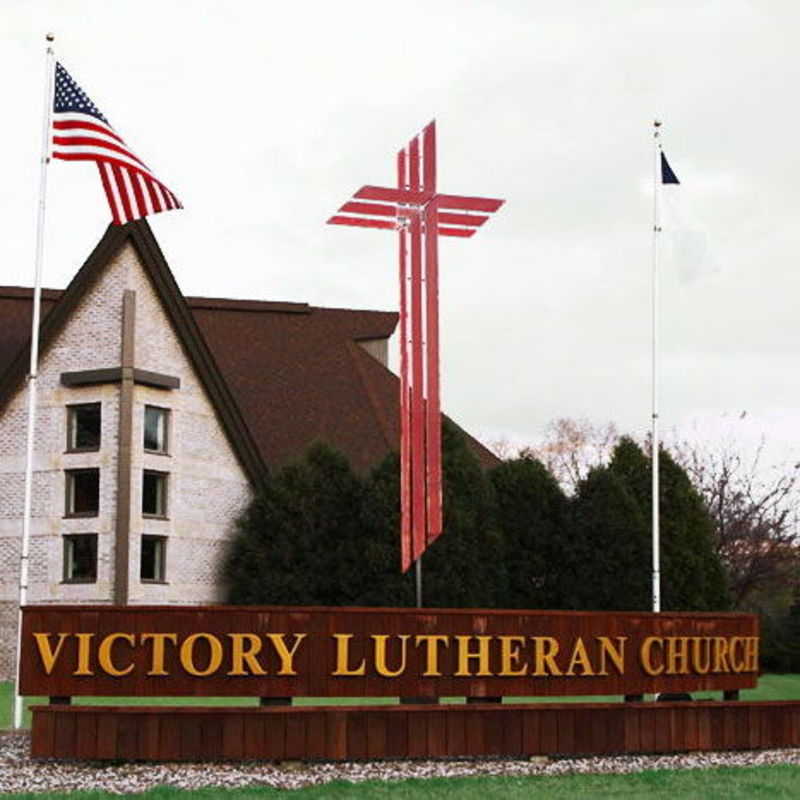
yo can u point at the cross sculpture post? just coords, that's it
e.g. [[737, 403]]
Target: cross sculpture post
[[420, 215]]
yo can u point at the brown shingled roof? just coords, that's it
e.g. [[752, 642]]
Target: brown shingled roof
[[15, 319], [296, 379], [295, 372]]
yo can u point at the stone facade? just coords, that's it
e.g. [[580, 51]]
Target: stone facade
[[207, 486]]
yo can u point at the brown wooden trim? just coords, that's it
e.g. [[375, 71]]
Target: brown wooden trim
[[155, 379], [122, 532], [143, 377], [91, 377], [189, 733], [225, 304], [706, 616]]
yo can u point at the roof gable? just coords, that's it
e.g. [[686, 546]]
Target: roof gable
[[139, 235], [280, 375]]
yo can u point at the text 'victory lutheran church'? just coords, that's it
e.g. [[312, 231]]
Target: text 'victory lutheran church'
[[157, 416]]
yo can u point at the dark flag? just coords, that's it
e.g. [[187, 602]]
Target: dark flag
[[667, 175], [82, 133]]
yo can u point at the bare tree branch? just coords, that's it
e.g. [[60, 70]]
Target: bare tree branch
[[755, 512], [572, 447]]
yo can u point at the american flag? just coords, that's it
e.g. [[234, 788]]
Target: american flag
[[82, 133]]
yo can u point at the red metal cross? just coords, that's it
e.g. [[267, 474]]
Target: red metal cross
[[419, 214]]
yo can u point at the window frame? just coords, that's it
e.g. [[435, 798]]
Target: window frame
[[165, 450], [72, 409], [69, 492], [164, 512], [69, 541], [161, 560]]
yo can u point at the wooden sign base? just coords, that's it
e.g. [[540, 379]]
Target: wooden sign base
[[410, 731]]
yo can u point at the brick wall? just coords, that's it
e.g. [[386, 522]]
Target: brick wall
[[207, 486], [8, 640]]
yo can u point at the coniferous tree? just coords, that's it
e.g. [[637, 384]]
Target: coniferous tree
[[532, 514], [319, 534], [787, 639], [385, 585], [294, 542], [692, 577], [610, 547], [465, 566]]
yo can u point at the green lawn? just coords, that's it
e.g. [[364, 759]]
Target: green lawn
[[741, 783], [770, 687]]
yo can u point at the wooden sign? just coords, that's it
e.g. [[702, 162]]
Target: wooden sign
[[370, 652]]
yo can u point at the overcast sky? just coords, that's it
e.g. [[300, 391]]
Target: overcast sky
[[264, 117]]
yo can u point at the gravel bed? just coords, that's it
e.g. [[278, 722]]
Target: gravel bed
[[19, 773]]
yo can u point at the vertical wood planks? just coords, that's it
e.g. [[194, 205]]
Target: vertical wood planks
[[359, 732], [107, 736], [336, 735], [377, 735], [43, 734], [456, 733], [86, 739], [233, 736]]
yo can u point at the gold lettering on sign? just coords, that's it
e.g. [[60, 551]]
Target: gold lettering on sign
[[701, 655], [286, 656], [343, 656], [510, 656], [84, 644], [739, 665], [677, 655], [380, 655], [615, 653], [432, 642], [47, 655], [241, 655], [465, 655], [186, 654], [104, 654], [157, 658], [751, 653], [721, 654], [646, 655], [545, 650], [580, 658]]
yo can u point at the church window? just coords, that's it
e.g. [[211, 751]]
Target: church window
[[83, 427], [154, 494], [152, 561], [80, 558], [156, 428], [83, 492]]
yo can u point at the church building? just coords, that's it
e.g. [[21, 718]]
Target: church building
[[157, 417]]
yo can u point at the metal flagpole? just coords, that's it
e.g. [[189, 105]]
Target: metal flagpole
[[655, 322], [34, 365]]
